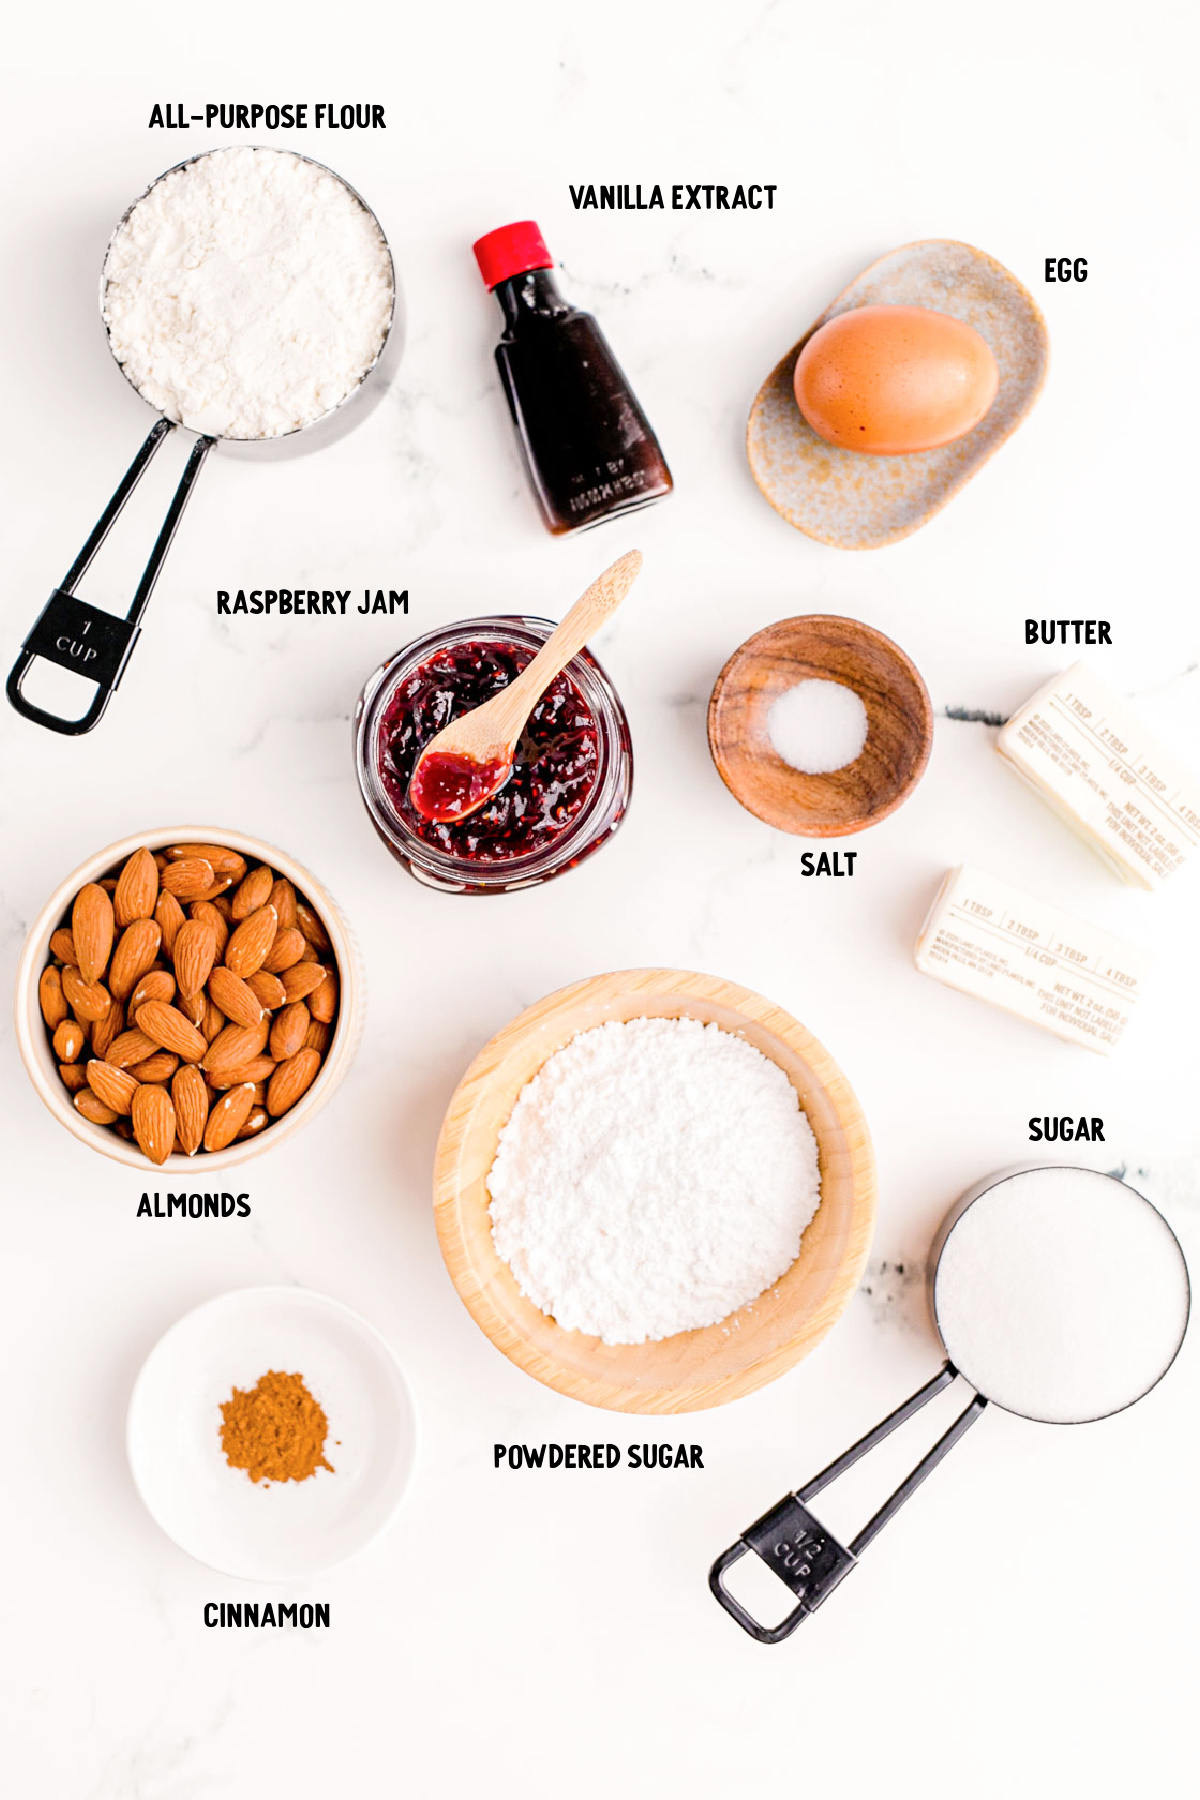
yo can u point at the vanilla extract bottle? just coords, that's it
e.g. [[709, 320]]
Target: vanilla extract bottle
[[589, 449]]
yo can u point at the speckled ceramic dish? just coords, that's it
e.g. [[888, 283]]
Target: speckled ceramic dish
[[858, 502]]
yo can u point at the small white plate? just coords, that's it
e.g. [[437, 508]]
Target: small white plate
[[283, 1530]]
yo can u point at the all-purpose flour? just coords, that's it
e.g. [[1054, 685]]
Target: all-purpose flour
[[248, 293], [654, 1177]]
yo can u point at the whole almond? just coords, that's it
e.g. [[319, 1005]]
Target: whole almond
[[300, 980], [159, 984], [206, 913], [87, 999], [189, 1092], [159, 1067], [51, 998], [136, 890], [154, 1121], [223, 861], [188, 878], [283, 899], [235, 997], [106, 1031], [171, 1031], [214, 1021], [319, 1037], [255, 1120], [73, 1076], [228, 1116], [223, 906], [258, 1069], [253, 892], [288, 948], [289, 1030], [68, 1040], [114, 1088], [92, 930], [323, 1001], [93, 1108], [62, 945], [195, 953], [128, 1048], [134, 956], [311, 926], [169, 915], [290, 1080], [235, 1046], [251, 942], [268, 989]]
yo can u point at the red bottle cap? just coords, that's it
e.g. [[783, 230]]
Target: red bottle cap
[[511, 250]]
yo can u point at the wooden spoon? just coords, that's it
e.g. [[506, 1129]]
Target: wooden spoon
[[471, 758]]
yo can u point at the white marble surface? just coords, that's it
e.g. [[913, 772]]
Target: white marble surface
[[1028, 1624]]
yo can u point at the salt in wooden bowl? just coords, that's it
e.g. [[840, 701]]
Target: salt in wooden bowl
[[822, 647]]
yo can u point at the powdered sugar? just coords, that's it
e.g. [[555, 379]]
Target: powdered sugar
[[247, 293], [654, 1176]]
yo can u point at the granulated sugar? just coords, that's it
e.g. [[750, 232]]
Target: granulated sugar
[[247, 293], [654, 1176], [1061, 1294]]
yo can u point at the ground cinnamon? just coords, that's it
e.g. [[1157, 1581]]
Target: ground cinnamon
[[275, 1430]]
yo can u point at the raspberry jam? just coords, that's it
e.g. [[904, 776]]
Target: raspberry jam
[[445, 787], [555, 766]]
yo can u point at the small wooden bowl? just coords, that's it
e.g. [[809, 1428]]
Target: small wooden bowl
[[693, 1369], [819, 646]]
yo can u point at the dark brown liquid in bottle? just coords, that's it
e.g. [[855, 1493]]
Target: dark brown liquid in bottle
[[589, 447]]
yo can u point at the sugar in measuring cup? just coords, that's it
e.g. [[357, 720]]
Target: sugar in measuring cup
[[1059, 1294]]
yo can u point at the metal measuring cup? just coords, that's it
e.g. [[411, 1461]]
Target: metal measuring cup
[[97, 644], [792, 1541]]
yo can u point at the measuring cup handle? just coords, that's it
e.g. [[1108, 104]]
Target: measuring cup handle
[[83, 638], [795, 1545]]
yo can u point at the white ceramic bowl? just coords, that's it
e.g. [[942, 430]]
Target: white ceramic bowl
[[281, 1531], [38, 1055]]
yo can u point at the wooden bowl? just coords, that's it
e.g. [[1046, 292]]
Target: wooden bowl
[[823, 647], [693, 1369], [859, 502]]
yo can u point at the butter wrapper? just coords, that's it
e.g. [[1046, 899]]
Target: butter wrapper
[[1044, 965], [1089, 756]]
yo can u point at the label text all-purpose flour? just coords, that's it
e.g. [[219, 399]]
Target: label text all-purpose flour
[[655, 1176], [247, 293]]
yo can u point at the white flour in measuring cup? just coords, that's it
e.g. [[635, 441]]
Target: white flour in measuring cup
[[1061, 1294], [247, 293]]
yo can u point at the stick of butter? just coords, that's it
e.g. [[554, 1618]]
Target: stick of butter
[[990, 940], [1091, 758]]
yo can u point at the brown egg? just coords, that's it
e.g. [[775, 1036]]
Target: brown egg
[[888, 380]]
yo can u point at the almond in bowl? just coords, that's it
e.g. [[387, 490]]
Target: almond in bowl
[[188, 994]]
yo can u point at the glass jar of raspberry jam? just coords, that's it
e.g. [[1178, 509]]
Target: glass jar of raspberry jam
[[572, 773]]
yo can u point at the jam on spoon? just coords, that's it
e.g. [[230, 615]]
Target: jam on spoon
[[446, 787], [471, 757]]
